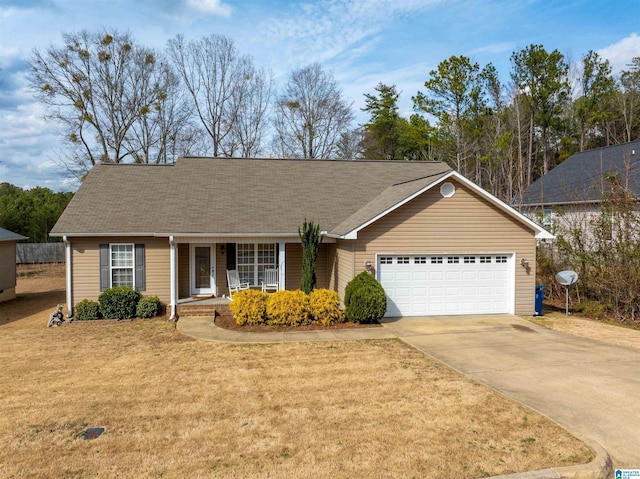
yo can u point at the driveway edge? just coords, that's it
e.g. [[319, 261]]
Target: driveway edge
[[600, 468]]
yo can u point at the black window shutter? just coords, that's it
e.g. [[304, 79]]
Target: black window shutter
[[231, 256], [140, 269], [104, 267]]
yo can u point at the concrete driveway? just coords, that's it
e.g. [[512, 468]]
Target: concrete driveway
[[591, 388]]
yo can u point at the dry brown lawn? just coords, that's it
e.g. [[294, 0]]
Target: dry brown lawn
[[177, 407], [589, 328]]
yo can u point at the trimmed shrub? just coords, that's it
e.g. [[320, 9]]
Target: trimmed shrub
[[119, 302], [364, 299], [148, 307], [289, 308], [325, 307], [86, 310], [249, 307]]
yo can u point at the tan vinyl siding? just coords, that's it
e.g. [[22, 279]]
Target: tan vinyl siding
[[344, 264], [293, 272], [183, 271], [221, 271], [7, 264], [332, 271], [465, 223], [322, 267], [85, 264]]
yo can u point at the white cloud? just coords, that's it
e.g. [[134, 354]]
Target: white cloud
[[323, 30], [495, 48], [213, 7], [620, 53]]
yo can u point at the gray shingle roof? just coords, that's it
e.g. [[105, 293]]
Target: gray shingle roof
[[580, 177], [240, 196], [6, 235]]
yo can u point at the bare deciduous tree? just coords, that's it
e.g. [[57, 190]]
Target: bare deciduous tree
[[311, 115], [228, 94], [98, 85]]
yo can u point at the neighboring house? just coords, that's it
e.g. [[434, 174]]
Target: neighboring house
[[8, 264], [438, 243], [571, 194]]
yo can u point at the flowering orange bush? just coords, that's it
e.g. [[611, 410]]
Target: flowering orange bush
[[288, 308], [325, 307], [249, 307]]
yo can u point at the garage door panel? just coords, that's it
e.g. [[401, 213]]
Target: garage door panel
[[430, 285], [436, 292], [500, 275], [485, 275], [470, 291], [470, 275]]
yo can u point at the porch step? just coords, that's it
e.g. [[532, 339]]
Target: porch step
[[198, 309]]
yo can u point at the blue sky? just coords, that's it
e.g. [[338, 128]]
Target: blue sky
[[363, 42]]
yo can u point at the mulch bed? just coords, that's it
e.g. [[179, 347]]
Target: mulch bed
[[224, 319]]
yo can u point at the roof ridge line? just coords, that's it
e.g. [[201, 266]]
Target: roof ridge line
[[421, 177]]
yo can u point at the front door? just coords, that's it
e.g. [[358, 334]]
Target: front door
[[203, 269]]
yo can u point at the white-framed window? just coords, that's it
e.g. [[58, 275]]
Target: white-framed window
[[453, 259], [485, 259], [501, 259], [386, 260], [252, 259], [436, 259], [403, 260], [122, 265], [469, 259], [420, 260]]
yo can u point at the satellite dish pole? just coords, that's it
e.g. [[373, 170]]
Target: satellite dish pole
[[566, 279]]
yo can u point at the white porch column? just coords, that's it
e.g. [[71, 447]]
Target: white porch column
[[173, 276], [67, 260], [281, 264]]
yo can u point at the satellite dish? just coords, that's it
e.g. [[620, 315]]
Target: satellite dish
[[567, 278]]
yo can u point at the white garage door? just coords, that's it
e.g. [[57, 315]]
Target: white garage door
[[447, 284]]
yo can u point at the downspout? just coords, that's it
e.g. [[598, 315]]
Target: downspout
[[172, 261], [67, 260], [282, 264]]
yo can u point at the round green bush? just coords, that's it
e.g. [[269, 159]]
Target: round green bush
[[119, 302], [86, 310], [364, 299], [148, 307]]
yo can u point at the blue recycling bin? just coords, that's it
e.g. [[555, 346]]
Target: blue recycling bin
[[539, 298]]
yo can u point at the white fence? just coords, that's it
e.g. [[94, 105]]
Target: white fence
[[29, 253]]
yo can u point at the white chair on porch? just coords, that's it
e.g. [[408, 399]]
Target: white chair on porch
[[235, 285], [271, 281]]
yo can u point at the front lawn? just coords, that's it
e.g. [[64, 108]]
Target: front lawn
[[173, 406]]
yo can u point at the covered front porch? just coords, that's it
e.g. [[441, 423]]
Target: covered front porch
[[199, 265]]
